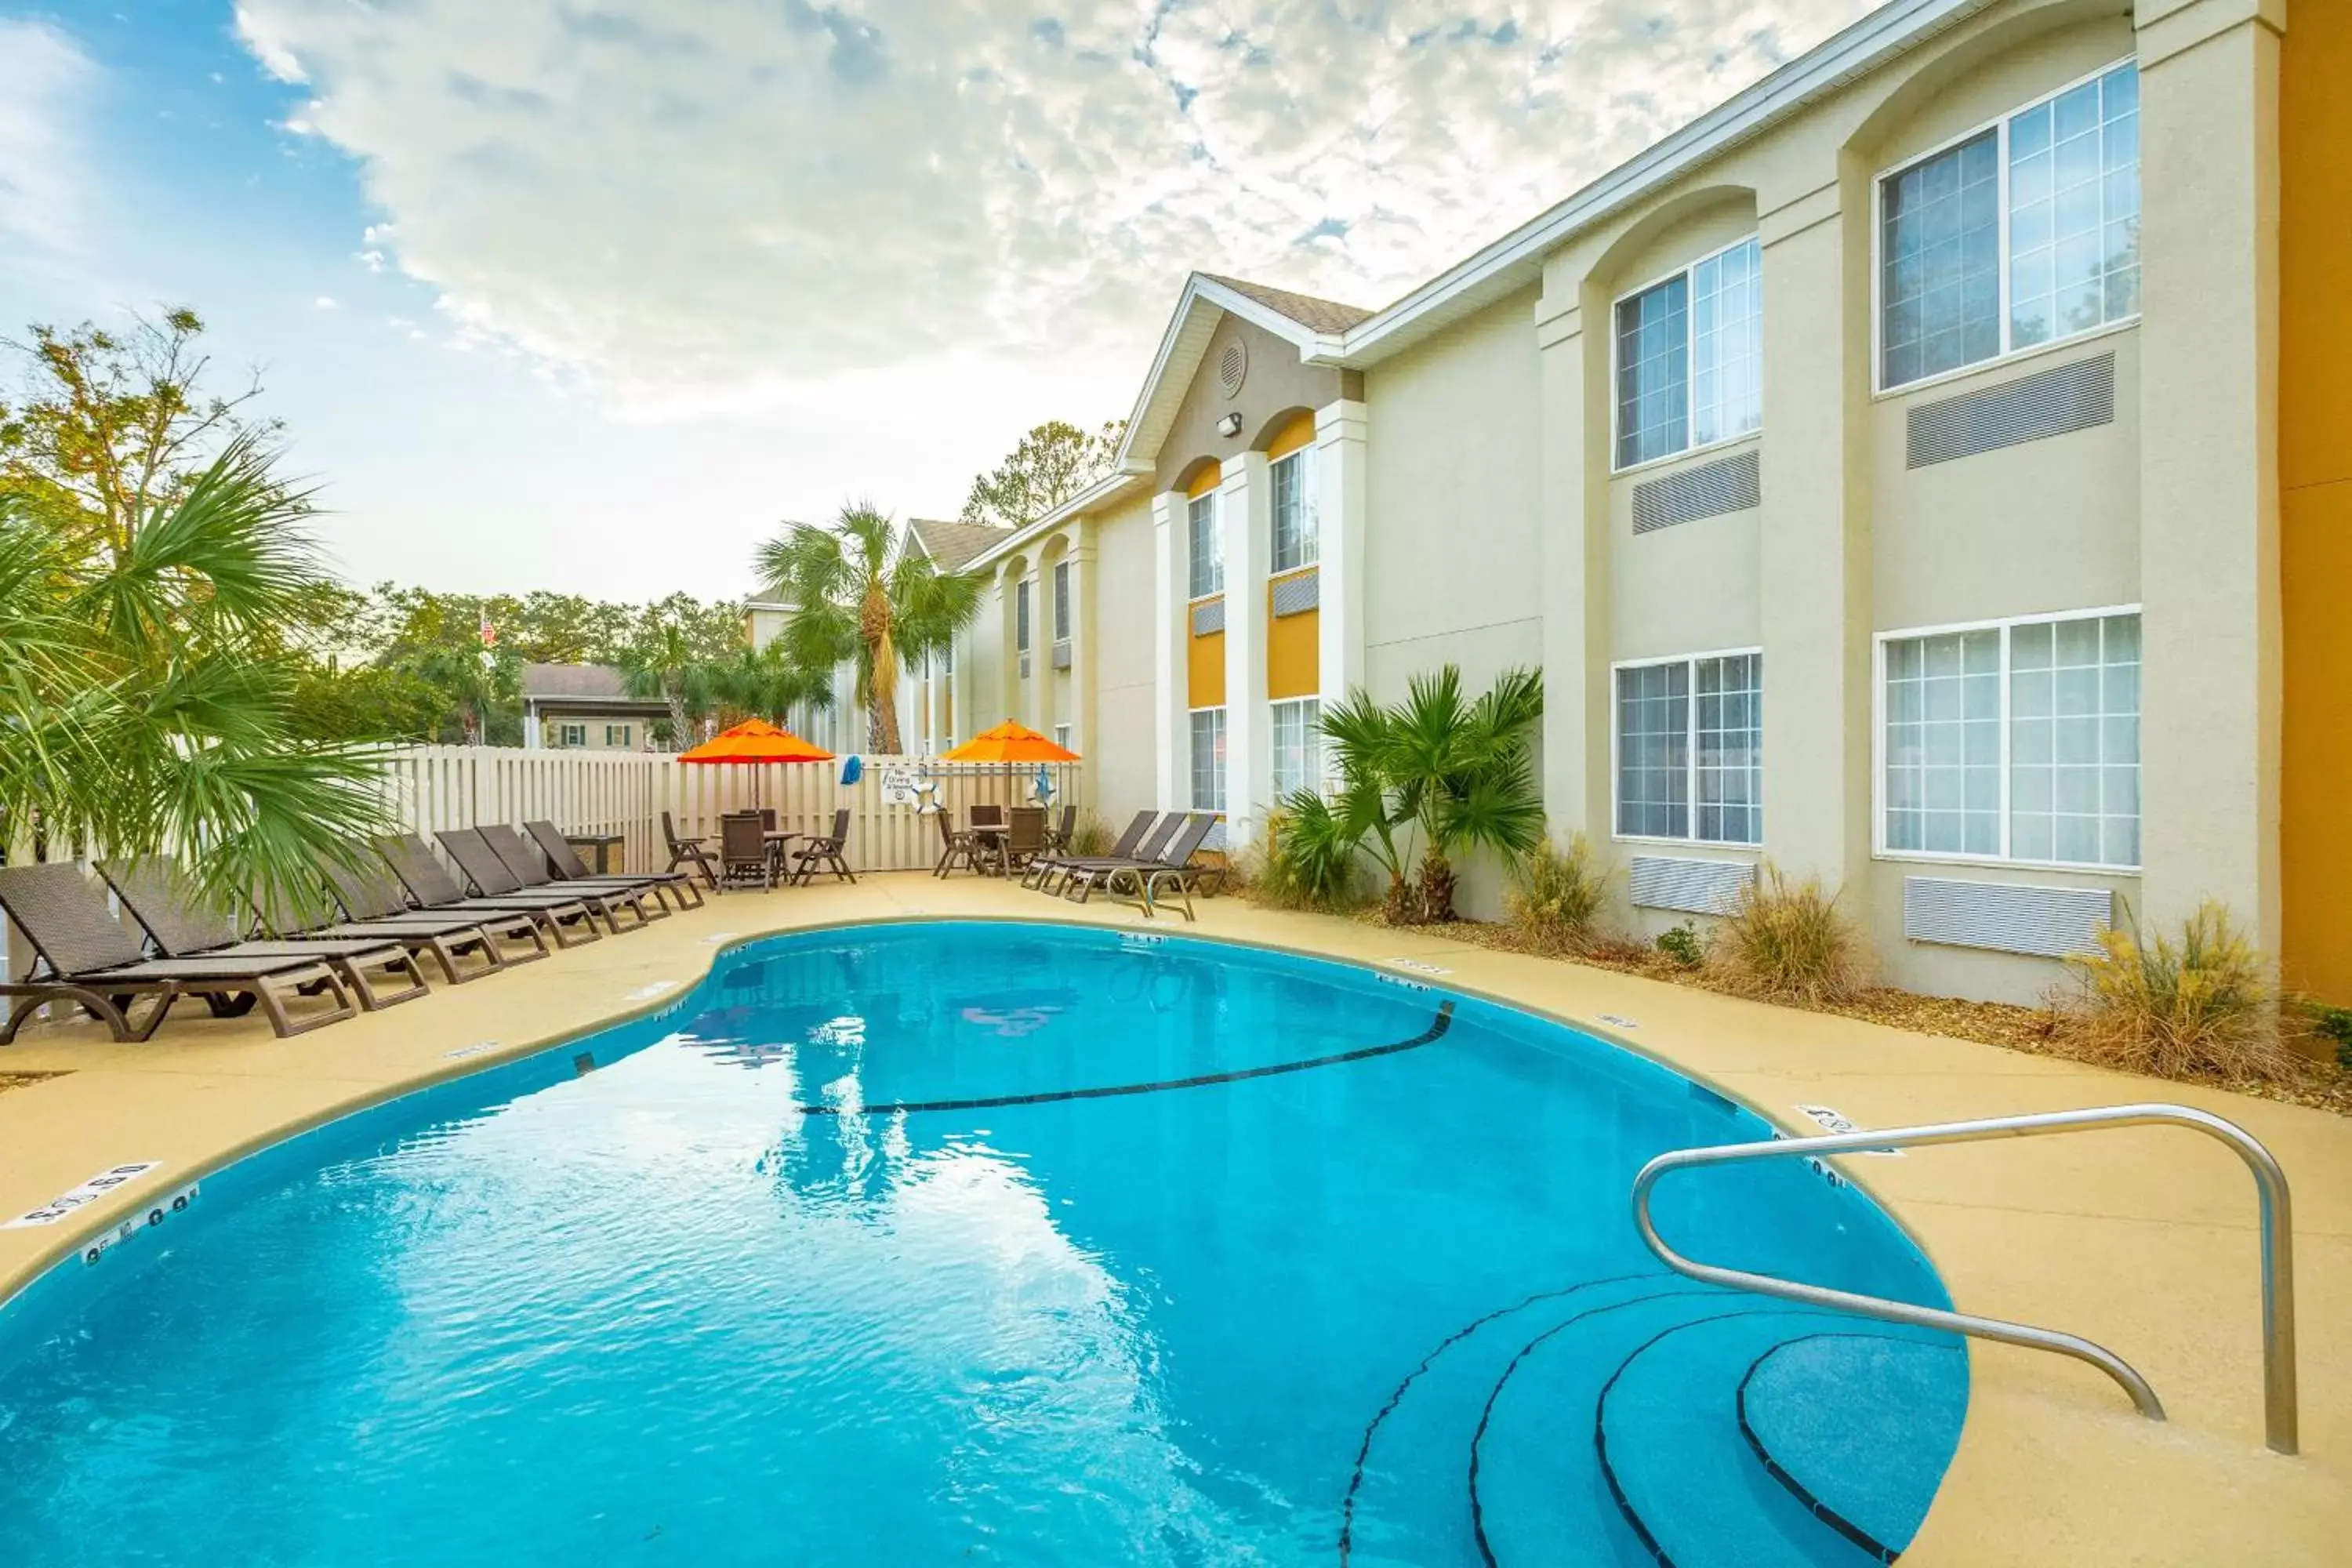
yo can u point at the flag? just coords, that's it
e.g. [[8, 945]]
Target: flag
[[489, 633]]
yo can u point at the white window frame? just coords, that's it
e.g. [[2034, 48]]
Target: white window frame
[[1224, 783], [1061, 591], [627, 733], [1999, 123], [1308, 512], [1690, 361], [1062, 737], [1690, 751], [1216, 556], [1315, 777], [564, 732], [2003, 625]]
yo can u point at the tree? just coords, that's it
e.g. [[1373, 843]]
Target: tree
[[859, 593], [677, 653], [1054, 462], [764, 683]]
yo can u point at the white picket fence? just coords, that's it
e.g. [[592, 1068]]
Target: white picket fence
[[624, 793]]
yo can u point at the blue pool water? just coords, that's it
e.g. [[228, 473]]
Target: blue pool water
[[767, 1286]]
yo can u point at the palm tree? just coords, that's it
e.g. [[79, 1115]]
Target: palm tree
[[663, 666], [860, 593], [146, 684], [764, 683]]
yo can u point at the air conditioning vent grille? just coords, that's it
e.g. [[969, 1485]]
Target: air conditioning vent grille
[[1209, 617], [2006, 916], [1297, 594], [2053, 402], [1686, 882], [1711, 489]]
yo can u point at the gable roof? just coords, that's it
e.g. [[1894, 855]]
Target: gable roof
[[598, 683], [1316, 315], [954, 546]]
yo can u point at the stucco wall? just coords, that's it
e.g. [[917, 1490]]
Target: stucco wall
[[1274, 384], [1119, 756]]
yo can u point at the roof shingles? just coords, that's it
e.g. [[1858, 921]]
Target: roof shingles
[[1317, 315]]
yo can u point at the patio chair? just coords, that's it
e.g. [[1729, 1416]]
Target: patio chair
[[420, 872], [86, 958], [180, 927], [529, 867], [743, 850], [955, 844], [1057, 836], [1144, 874], [1156, 840], [563, 860], [1024, 838], [1045, 867], [493, 879], [1179, 870], [986, 845], [688, 852], [372, 902], [814, 854]]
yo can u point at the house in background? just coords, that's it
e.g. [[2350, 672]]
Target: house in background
[[584, 707], [927, 709]]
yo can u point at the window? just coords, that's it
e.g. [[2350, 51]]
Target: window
[[1690, 749], [1208, 759], [1062, 736], [1298, 746], [572, 736], [1021, 622], [1061, 601], [1690, 353], [2017, 742], [2066, 173], [1208, 546], [1296, 532], [617, 735]]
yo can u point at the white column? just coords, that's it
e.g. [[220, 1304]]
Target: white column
[[1342, 430], [531, 740], [934, 716], [1245, 516], [1169, 733], [1575, 500], [1081, 716]]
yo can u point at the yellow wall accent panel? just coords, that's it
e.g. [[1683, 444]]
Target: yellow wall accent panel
[[1293, 652], [1204, 670], [1207, 479], [2316, 500], [1299, 432]]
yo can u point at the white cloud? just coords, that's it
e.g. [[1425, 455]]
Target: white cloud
[[708, 207], [324, 302], [45, 81]]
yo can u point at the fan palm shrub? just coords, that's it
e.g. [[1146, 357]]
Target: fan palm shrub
[[148, 674], [861, 592]]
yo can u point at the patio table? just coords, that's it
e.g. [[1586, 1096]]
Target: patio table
[[603, 844]]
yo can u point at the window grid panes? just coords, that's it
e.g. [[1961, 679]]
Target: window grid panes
[[616, 734], [1726, 345], [1728, 746], [2067, 692], [1653, 372], [1207, 549], [1653, 751], [1021, 616], [1296, 538], [1208, 759], [2067, 170], [1298, 745], [2074, 742], [2074, 210], [1061, 601]]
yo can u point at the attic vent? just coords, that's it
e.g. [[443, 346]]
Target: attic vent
[[2007, 917], [1711, 490], [2070, 398], [1233, 365], [1209, 617], [1686, 882], [1296, 595]]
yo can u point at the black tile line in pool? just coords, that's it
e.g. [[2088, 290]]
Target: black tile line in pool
[[1436, 1032], [1778, 1472], [1371, 1427]]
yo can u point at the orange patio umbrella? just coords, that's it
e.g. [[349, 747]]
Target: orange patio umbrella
[[755, 741], [1009, 743]]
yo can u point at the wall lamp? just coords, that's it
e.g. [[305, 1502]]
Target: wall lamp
[[1231, 425]]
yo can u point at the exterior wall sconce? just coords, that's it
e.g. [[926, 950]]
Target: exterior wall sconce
[[1231, 425]]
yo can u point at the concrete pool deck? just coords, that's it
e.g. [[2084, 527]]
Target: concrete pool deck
[[2144, 1240]]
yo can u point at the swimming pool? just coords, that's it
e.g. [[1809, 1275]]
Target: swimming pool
[[980, 1242]]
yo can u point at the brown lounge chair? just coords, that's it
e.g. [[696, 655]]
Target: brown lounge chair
[[1092, 868], [1144, 873], [494, 879], [688, 852], [524, 861], [180, 927], [813, 854], [92, 961], [437, 892], [372, 902], [1044, 869], [566, 862]]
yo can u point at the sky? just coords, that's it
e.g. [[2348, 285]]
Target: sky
[[592, 295]]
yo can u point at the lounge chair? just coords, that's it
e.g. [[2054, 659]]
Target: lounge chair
[[494, 879], [955, 844], [180, 927], [1144, 873], [688, 852], [1045, 867], [1156, 839], [564, 861], [529, 867], [1178, 870], [743, 853], [86, 958], [420, 872], [813, 854], [371, 901]]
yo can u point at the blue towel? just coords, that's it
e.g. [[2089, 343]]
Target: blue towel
[[853, 768]]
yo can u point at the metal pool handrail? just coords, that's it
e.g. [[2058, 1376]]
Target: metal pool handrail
[[2270, 1183]]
